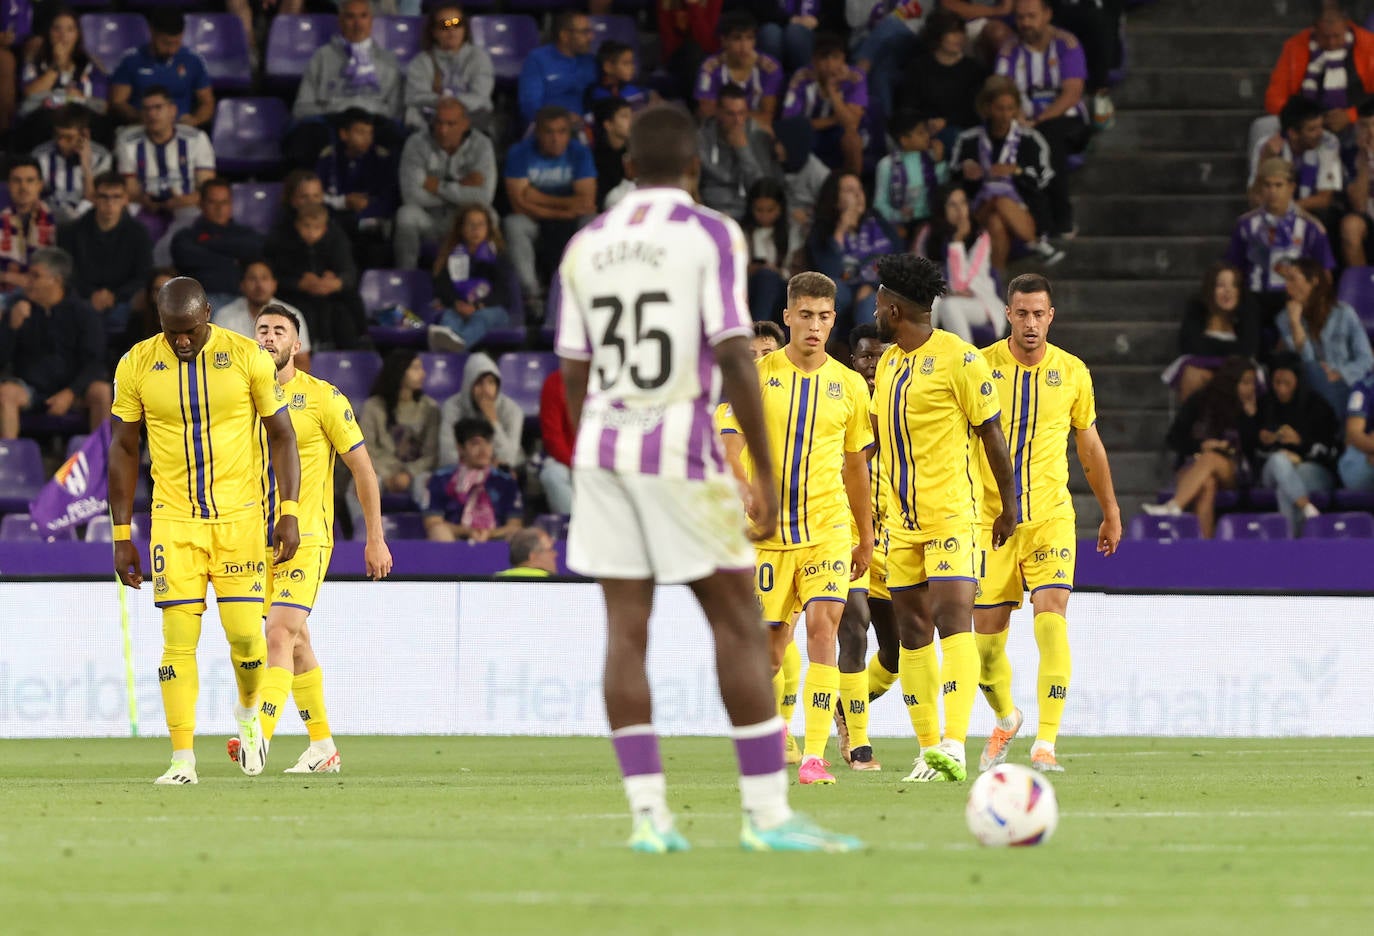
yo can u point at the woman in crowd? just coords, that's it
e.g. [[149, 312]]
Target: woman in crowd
[[1219, 322], [772, 237], [956, 242], [846, 241], [1325, 332], [59, 71], [1298, 437], [401, 423], [449, 65]]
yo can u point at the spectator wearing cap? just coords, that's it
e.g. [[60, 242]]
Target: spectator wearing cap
[[1330, 63], [112, 255], [735, 153], [834, 97], [215, 248], [558, 73], [52, 349], [740, 64], [166, 64], [1314, 152], [26, 224], [1266, 240], [450, 64], [551, 183], [1356, 464], [532, 555], [452, 165]]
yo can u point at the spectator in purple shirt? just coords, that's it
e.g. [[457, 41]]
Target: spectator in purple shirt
[[476, 500], [834, 97], [787, 29], [1265, 241], [845, 244], [1048, 66], [740, 63]]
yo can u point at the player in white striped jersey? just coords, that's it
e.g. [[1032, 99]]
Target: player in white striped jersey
[[165, 162], [652, 324]]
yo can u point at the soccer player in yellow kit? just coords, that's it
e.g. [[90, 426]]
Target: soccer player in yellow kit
[[1045, 393], [325, 427], [933, 392], [815, 410], [201, 390]]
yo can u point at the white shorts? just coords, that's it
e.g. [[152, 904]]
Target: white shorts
[[666, 529]]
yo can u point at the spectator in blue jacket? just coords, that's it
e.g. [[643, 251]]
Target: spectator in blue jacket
[[164, 63], [559, 73], [215, 248], [1324, 332]]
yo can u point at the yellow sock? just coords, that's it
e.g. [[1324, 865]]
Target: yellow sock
[[308, 691], [791, 679], [1056, 665], [854, 698], [178, 676], [778, 684], [995, 675], [242, 622], [276, 686], [958, 677], [920, 675], [879, 679], [822, 686]]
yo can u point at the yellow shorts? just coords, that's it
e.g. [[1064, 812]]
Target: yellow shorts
[[296, 582], [786, 579], [1037, 556], [915, 557], [187, 555]]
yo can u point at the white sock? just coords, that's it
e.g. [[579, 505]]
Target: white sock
[[648, 794], [244, 714], [1008, 723], [1311, 511], [186, 755], [324, 746], [764, 797], [1039, 746]]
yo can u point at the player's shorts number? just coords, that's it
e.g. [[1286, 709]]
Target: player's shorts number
[[159, 563], [766, 577], [612, 338]]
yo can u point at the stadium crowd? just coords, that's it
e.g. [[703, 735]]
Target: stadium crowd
[[425, 168]]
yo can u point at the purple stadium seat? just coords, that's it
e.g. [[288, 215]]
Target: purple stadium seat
[[1165, 529], [401, 35], [1339, 526], [1360, 501], [291, 42], [1227, 500], [1252, 526], [400, 526], [108, 36], [556, 525], [21, 474], [19, 528], [256, 204], [1357, 289], [508, 40], [619, 28], [351, 371], [443, 374], [220, 40], [409, 288], [522, 377], [248, 133]]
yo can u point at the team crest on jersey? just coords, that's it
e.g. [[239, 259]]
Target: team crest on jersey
[[348, 415], [928, 366], [159, 584], [221, 359], [834, 391], [985, 389], [298, 401], [280, 393], [1052, 377]]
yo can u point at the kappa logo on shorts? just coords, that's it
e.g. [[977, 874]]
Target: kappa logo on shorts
[[1052, 378], [835, 391], [285, 593], [928, 366], [1059, 574], [831, 587], [221, 360], [257, 588], [943, 567]]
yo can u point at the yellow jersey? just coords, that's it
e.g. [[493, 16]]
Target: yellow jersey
[[725, 425], [925, 402], [1040, 405], [813, 419], [325, 426], [199, 415]]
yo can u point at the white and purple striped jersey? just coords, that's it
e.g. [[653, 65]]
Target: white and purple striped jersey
[[64, 182], [644, 293], [167, 169]]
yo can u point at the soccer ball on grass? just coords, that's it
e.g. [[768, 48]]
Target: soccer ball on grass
[[1012, 805]]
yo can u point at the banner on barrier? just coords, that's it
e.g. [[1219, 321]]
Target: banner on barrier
[[520, 658]]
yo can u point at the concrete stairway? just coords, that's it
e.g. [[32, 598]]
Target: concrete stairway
[[1155, 203]]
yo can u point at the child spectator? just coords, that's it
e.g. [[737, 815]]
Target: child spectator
[[1356, 463], [481, 398], [1325, 333], [58, 74], [70, 163], [1265, 241], [742, 65], [1297, 441], [908, 178], [615, 68], [475, 500], [26, 224], [834, 97], [845, 244], [400, 423], [470, 279], [1214, 437], [450, 64], [313, 262], [772, 238], [964, 250], [612, 119], [1220, 322]]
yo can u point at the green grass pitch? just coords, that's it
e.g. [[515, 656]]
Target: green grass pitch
[[524, 835]]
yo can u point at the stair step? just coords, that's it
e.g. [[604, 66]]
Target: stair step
[[1141, 257], [1160, 301], [1201, 173], [1132, 472], [1194, 88], [1090, 515], [1292, 14], [1127, 215], [1233, 46], [1134, 387], [1103, 343], [1176, 131], [1132, 429]]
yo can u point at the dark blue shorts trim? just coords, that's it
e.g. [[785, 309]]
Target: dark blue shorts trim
[[287, 604]]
